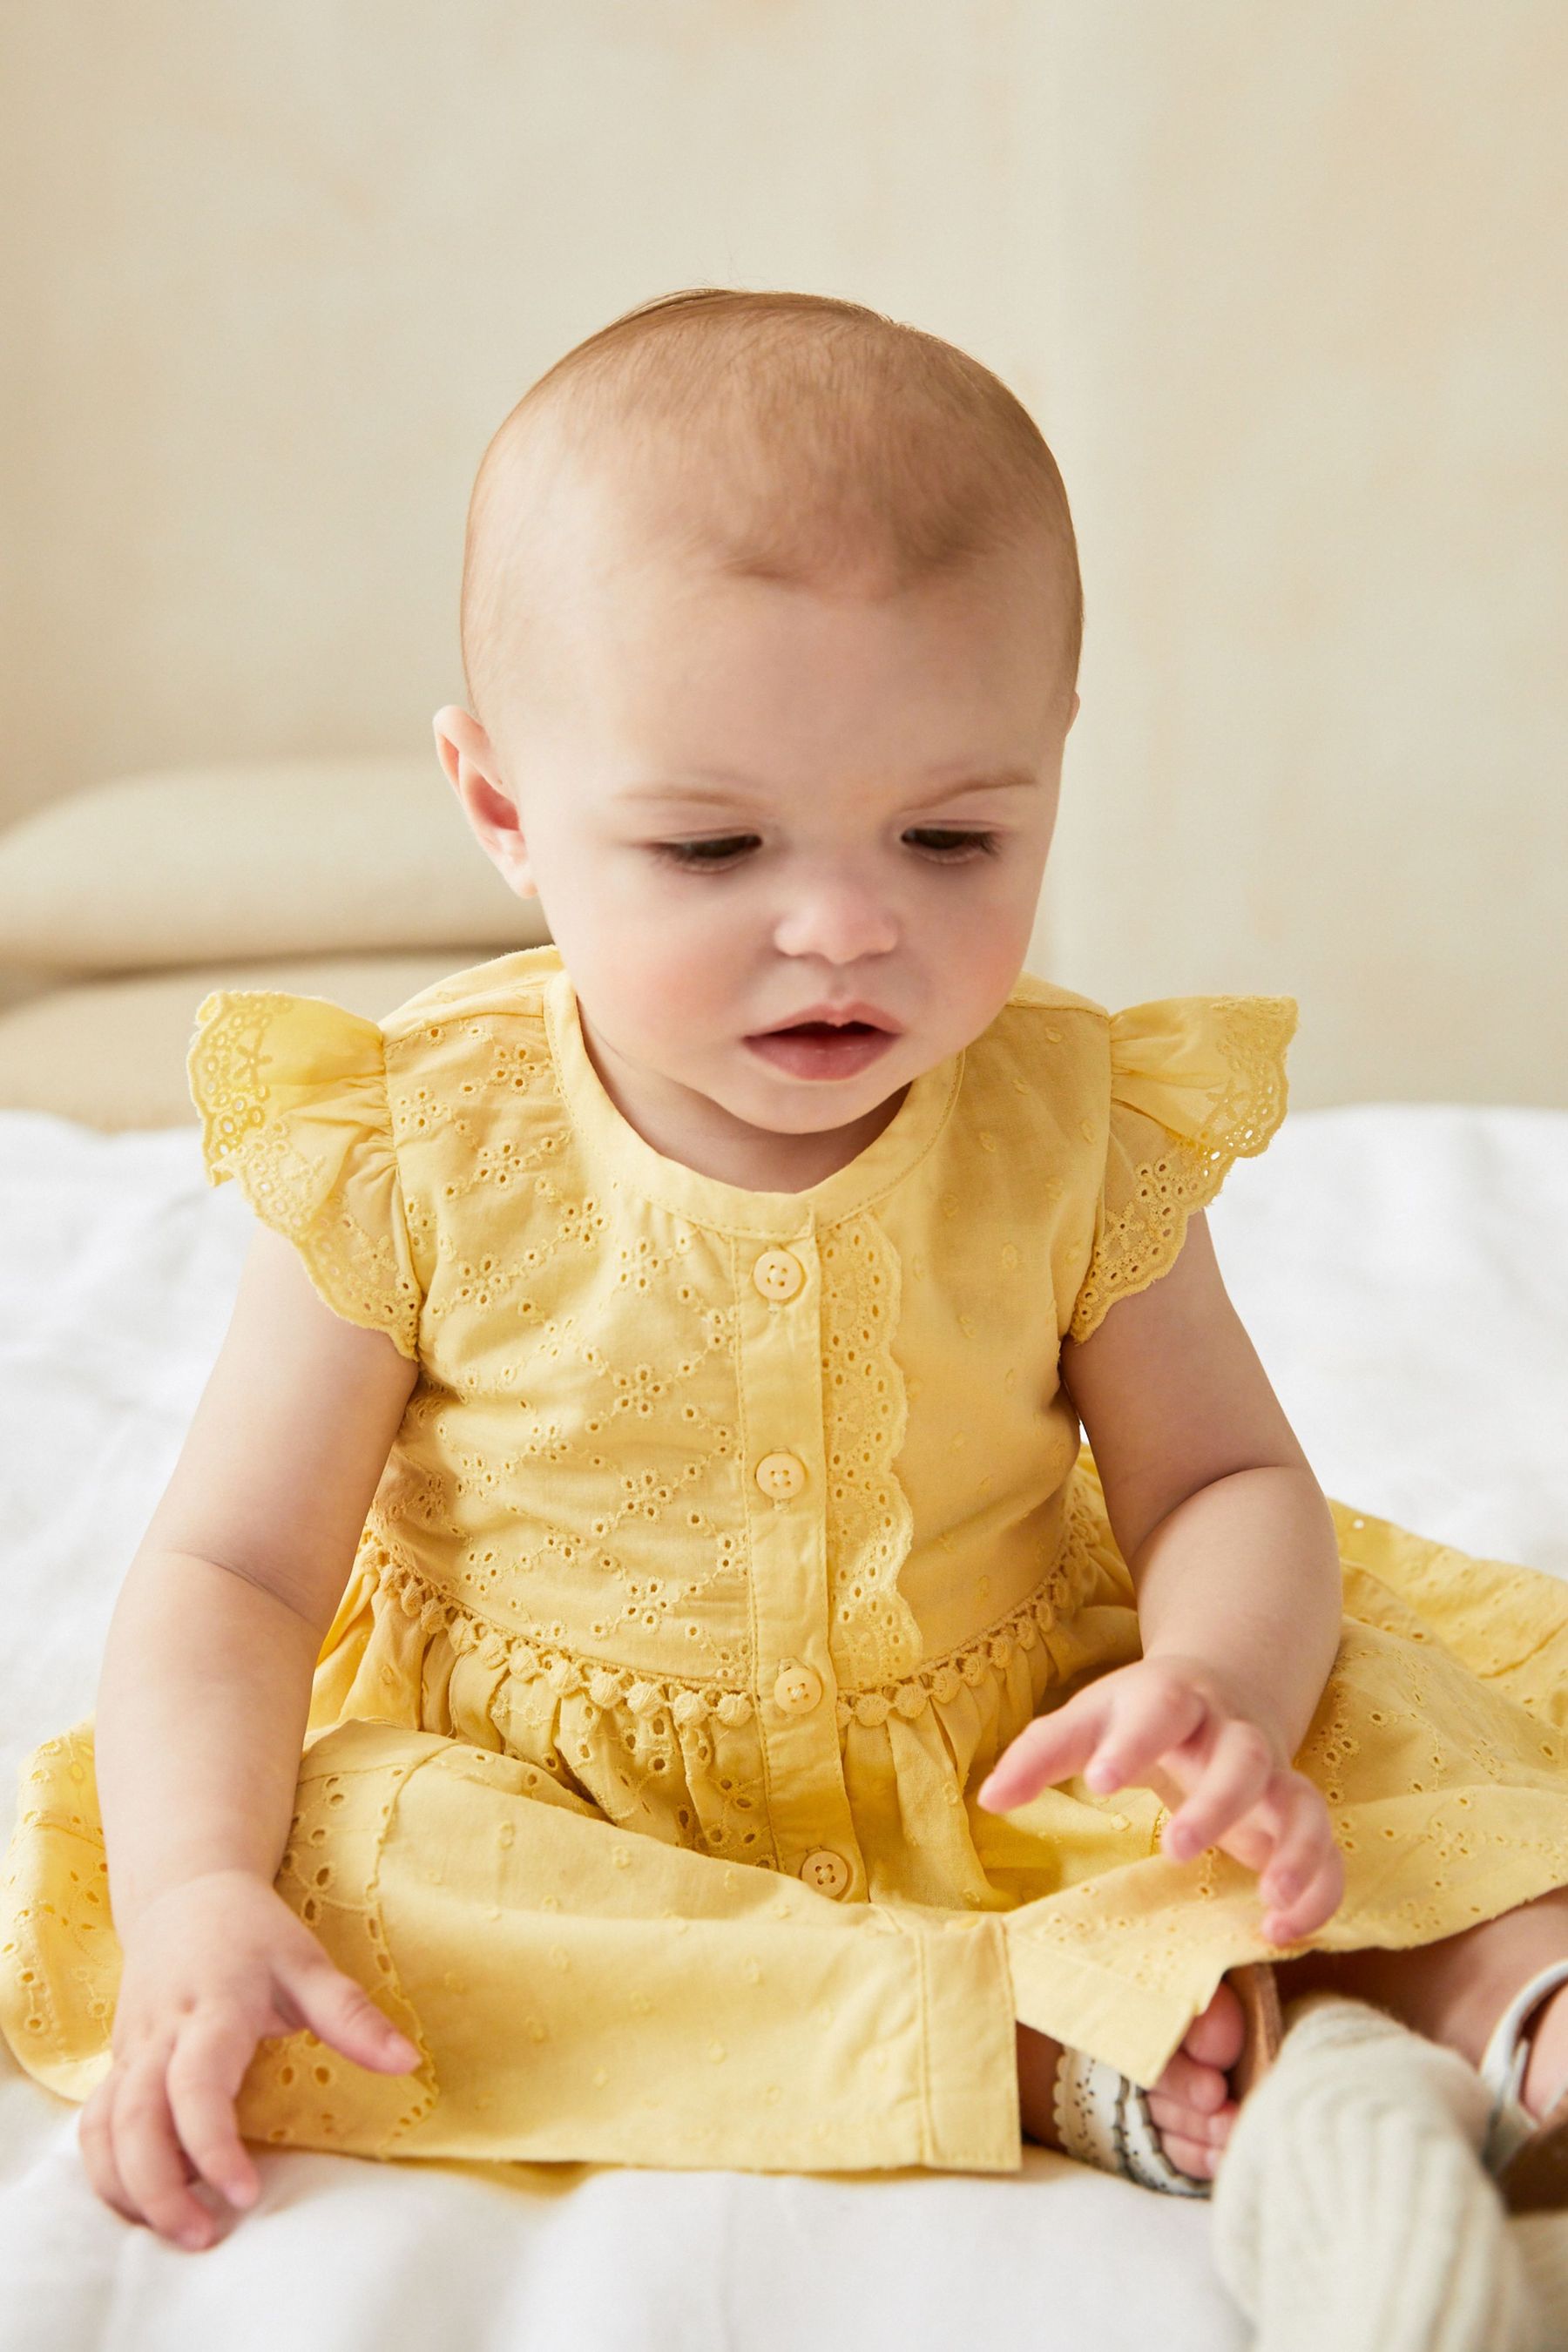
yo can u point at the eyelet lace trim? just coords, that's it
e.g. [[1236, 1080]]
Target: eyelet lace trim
[[358, 1272], [610, 1686], [1144, 1238], [875, 1636]]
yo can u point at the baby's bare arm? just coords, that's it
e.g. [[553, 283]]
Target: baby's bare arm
[[1226, 1532], [1234, 1563], [201, 1718], [205, 1688], [203, 1705]]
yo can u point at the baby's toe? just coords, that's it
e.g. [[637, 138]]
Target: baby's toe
[[1216, 2035], [1193, 2142], [1197, 2163]]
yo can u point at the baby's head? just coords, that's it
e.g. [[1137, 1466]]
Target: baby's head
[[770, 623]]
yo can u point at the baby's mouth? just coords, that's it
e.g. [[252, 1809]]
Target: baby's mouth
[[826, 1029], [821, 1049]]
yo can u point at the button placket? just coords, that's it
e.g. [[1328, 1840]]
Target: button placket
[[779, 1368]]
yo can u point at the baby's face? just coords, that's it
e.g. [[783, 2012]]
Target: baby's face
[[744, 807]]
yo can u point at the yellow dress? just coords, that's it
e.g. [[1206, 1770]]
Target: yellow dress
[[728, 1539]]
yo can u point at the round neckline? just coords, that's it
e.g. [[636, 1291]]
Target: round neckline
[[629, 1159]]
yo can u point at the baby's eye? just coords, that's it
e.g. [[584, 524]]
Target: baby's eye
[[942, 842], [701, 853], [955, 847]]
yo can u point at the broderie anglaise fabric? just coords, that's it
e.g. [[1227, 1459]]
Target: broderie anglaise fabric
[[508, 1487], [875, 1636], [382, 1583], [602, 1705], [337, 1203], [1155, 1179]]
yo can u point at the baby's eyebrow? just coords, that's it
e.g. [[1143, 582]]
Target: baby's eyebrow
[[1004, 779]]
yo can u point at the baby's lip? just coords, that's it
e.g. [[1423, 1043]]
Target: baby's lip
[[839, 1015]]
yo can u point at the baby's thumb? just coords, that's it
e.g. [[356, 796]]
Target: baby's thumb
[[343, 2014]]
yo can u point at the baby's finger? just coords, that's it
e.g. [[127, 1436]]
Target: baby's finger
[[150, 2161], [1303, 1882], [338, 2010], [94, 2139], [204, 2072], [1150, 1716], [1049, 1749], [1318, 1902], [1304, 1838], [1239, 1771]]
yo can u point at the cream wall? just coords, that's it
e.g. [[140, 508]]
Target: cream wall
[[1312, 286], [1282, 284]]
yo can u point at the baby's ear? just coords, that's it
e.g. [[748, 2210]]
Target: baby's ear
[[465, 753], [493, 819], [460, 742]]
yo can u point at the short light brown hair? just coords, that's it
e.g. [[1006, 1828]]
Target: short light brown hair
[[810, 441]]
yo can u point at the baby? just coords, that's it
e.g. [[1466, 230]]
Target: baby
[[642, 1479]]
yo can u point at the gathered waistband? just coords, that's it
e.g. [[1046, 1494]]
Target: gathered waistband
[[1078, 1559]]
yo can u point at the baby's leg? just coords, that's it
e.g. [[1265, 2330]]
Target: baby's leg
[[1454, 1990]]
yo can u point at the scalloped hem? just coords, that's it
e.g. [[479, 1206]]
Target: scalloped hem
[[326, 1065], [1145, 1239]]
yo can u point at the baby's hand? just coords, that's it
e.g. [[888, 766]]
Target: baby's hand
[[211, 1968], [1175, 1725]]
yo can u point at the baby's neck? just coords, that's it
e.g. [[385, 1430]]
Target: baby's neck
[[723, 1147], [793, 1164]]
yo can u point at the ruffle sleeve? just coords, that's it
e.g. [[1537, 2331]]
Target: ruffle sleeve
[[292, 1095], [1196, 1083]]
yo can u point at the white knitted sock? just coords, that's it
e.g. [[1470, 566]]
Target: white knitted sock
[[1351, 2210]]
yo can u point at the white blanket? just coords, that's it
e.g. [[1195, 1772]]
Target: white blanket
[[1404, 1272]]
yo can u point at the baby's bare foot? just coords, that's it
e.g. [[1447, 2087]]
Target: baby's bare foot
[[1191, 2104]]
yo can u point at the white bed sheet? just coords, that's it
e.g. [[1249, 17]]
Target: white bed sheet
[[1404, 1272]]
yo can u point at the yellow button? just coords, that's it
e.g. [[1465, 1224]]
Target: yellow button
[[827, 1871], [781, 1475], [778, 1273], [797, 1689]]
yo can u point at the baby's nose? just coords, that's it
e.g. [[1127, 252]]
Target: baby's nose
[[840, 921]]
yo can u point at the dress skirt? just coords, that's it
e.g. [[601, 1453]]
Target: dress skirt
[[541, 1910]]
